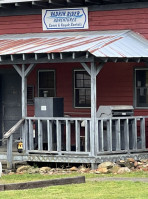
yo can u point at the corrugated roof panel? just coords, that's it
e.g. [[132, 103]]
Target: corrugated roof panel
[[99, 43]]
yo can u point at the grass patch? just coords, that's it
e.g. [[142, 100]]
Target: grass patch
[[16, 178], [93, 190]]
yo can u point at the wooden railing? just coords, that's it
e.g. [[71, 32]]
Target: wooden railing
[[119, 135], [59, 136], [9, 137], [72, 135]]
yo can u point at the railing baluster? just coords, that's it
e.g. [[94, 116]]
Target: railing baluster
[[49, 135], [31, 143], [77, 130], [96, 142], [87, 135], [134, 133], [126, 134], [68, 136], [109, 135], [9, 152], [58, 132], [118, 134], [101, 137], [40, 135], [142, 133], [25, 135]]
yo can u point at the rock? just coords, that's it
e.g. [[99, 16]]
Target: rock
[[129, 164], [44, 170], [97, 172], [115, 169], [84, 169], [135, 164], [130, 160], [144, 161], [103, 170], [123, 170], [33, 170], [73, 169], [11, 173], [107, 165], [139, 163], [121, 163], [23, 169]]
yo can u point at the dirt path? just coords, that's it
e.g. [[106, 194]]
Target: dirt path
[[118, 179]]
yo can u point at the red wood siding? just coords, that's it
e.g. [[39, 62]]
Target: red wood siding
[[64, 86], [133, 19], [115, 81], [115, 86]]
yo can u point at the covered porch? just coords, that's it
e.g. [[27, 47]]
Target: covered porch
[[95, 139]]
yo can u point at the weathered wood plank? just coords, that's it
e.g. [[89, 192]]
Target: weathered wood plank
[[40, 135], [87, 135], [9, 152], [58, 132], [109, 135], [13, 129], [101, 137], [142, 133], [96, 137], [134, 133], [49, 135], [77, 130], [126, 134], [25, 135], [31, 142], [68, 136], [44, 183], [118, 134]]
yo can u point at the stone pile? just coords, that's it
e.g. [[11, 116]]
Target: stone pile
[[122, 166]]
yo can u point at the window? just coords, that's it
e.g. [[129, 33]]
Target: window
[[30, 94], [46, 83], [82, 91], [141, 89]]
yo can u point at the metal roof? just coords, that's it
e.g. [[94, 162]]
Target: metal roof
[[69, 2], [115, 44]]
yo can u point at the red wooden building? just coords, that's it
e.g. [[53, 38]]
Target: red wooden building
[[103, 64]]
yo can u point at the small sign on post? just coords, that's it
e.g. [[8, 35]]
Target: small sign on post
[[67, 18]]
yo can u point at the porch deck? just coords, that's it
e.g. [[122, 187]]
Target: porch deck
[[70, 140]]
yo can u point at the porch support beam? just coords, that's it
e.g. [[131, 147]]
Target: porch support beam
[[86, 67], [93, 107], [99, 67], [23, 72], [93, 70]]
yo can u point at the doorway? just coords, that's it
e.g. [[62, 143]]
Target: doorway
[[10, 102]]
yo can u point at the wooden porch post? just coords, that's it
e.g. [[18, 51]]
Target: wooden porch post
[[93, 108], [93, 71], [23, 72], [24, 93]]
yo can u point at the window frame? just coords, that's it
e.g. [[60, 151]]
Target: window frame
[[31, 100], [135, 88], [47, 70], [74, 89]]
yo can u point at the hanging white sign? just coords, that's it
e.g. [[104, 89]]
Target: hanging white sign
[[66, 18]]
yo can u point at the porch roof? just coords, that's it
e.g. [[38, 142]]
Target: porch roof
[[114, 45]]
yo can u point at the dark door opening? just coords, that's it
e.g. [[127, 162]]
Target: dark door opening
[[10, 102]]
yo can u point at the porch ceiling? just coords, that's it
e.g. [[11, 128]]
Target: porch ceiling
[[83, 46], [61, 3]]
